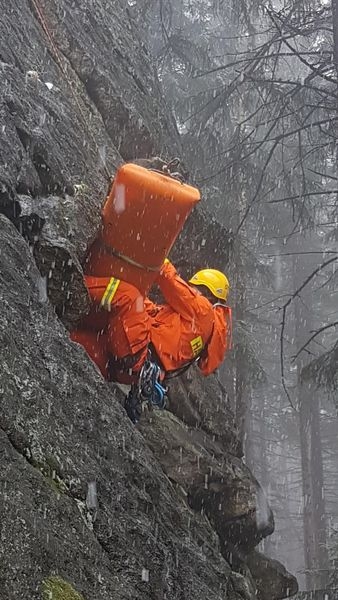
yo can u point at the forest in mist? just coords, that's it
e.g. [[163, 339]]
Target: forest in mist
[[253, 89]]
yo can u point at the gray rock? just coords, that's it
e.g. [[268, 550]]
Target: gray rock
[[202, 403], [203, 243], [84, 502], [242, 587], [214, 482], [271, 577], [60, 144], [62, 427], [44, 150]]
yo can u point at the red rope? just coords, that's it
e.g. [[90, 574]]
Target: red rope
[[59, 60]]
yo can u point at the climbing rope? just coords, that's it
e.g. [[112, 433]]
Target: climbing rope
[[167, 170], [59, 61]]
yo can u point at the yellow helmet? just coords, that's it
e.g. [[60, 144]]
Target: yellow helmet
[[215, 281]]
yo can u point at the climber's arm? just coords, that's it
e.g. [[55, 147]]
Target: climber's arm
[[177, 293], [219, 343]]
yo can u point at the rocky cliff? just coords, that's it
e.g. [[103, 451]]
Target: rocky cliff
[[91, 507]]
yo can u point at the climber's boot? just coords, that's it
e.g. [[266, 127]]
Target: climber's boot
[[133, 404]]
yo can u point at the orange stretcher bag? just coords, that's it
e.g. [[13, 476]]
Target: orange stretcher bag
[[142, 217]]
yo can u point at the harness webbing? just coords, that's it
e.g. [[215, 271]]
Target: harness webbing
[[131, 261]]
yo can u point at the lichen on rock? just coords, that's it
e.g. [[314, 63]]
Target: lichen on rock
[[55, 588]]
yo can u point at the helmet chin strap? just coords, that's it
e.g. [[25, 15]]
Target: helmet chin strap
[[220, 303]]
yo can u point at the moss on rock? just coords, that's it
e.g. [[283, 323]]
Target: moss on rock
[[55, 588], [49, 469]]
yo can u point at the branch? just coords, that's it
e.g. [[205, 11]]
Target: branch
[[249, 69], [321, 90], [265, 57], [325, 175], [324, 328], [282, 136], [297, 253], [298, 54], [276, 140], [259, 185], [298, 196], [285, 307], [311, 276], [282, 359], [163, 27]]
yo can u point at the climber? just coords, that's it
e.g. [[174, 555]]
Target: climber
[[131, 339], [124, 331]]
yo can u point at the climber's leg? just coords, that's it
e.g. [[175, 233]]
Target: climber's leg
[[95, 344], [128, 334]]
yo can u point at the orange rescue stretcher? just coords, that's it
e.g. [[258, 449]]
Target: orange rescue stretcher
[[142, 217]]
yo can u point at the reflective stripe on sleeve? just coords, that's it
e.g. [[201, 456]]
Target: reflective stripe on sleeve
[[109, 293]]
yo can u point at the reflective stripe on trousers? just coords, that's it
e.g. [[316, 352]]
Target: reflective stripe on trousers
[[109, 293]]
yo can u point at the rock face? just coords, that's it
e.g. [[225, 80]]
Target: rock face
[[203, 243], [271, 577], [202, 461], [90, 507], [61, 428], [78, 96]]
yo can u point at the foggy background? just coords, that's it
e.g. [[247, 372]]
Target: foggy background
[[253, 89]]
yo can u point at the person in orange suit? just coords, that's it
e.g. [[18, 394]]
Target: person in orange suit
[[122, 327]]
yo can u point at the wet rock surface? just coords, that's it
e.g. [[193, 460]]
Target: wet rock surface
[[88, 503], [187, 400], [214, 481], [271, 578], [78, 97], [62, 427], [203, 243]]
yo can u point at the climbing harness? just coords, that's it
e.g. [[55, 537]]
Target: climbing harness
[[181, 370], [129, 260]]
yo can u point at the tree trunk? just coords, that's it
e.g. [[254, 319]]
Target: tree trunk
[[335, 32], [314, 520], [308, 506], [317, 478], [249, 437], [241, 412]]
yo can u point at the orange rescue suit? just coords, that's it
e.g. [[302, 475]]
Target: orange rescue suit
[[122, 324]]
